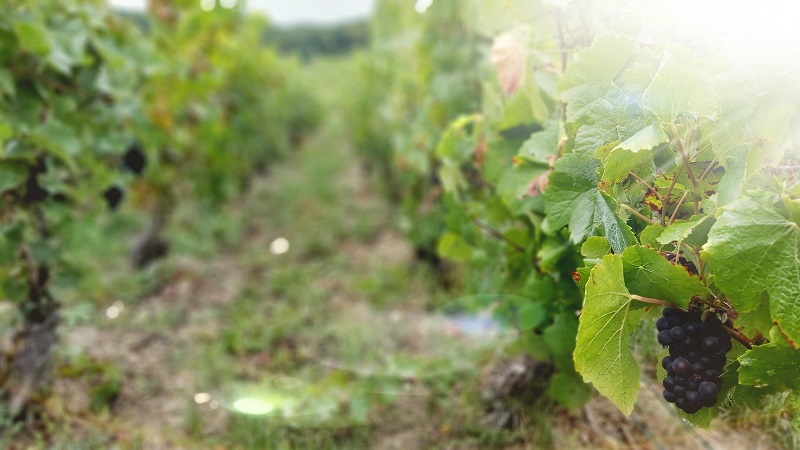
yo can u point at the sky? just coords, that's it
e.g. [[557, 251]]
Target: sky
[[292, 11]]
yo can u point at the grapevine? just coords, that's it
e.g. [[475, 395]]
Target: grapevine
[[603, 175]]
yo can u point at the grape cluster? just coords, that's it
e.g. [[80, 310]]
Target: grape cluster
[[697, 350]]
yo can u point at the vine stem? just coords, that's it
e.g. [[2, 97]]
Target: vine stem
[[665, 199], [645, 184], [677, 208], [679, 145], [653, 301], [561, 45], [738, 336], [637, 213], [497, 234]]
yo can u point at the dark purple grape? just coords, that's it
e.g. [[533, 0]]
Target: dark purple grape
[[669, 396], [679, 390], [708, 389], [691, 409], [698, 367], [691, 385], [709, 402], [710, 345], [664, 338], [677, 333], [670, 311], [727, 345], [711, 374], [705, 360], [679, 402], [692, 398], [682, 367], [669, 383], [691, 328], [667, 362], [662, 324]]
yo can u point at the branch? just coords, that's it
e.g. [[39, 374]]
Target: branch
[[679, 145], [497, 234], [653, 301], [644, 183], [562, 49], [665, 198], [738, 336], [678, 207], [637, 214]]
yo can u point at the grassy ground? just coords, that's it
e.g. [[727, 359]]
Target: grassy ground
[[337, 338]]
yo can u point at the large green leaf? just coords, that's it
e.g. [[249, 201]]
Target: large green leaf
[[753, 248], [649, 274], [598, 65], [573, 199], [775, 364], [572, 185], [33, 36], [680, 87], [612, 117], [602, 353]]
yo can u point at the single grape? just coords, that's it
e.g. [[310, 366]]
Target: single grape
[[691, 385], [669, 383], [691, 409], [710, 374], [708, 389], [727, 345], [662, 324], [682, 367], [664, 338], [669, 396], [667, 362], [711, 345], [692, 398], [698, 367], [679, 390], [691, 327], [677, 333]]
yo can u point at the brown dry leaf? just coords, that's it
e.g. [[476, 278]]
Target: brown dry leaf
[[539, 184], [509, 56]]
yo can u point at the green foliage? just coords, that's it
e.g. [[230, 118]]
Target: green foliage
[[80, 85], [673, 172]]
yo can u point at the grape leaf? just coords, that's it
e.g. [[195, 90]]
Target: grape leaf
[[631, 152], [602, 354], [452, 247], [649, 274], [568, 389], [573, 199], [572, 184], [598, 65], [754, 248], [756, 114], [612, 118], [774, 364], [679, 231], [595, 247], [681, 86]]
